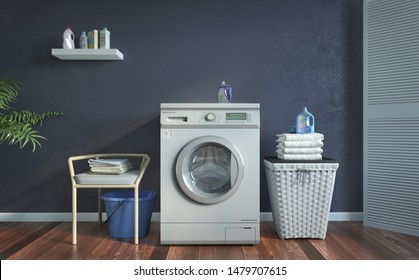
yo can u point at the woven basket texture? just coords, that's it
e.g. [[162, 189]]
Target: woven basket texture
[[300, 196]]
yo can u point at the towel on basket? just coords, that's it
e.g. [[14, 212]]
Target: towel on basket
[[300, 137], [300, 146], [300, 157], [303, 151]]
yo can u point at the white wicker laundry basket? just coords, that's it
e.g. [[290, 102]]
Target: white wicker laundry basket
[[300, 194]]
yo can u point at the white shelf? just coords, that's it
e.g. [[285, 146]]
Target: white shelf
[[88, 54]]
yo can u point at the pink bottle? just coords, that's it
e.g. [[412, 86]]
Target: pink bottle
[[68, 39]]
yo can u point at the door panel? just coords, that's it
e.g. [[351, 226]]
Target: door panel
[[391, 115]]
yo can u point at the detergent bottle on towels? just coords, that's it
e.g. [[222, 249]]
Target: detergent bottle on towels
[[305, 122], [225, 93]]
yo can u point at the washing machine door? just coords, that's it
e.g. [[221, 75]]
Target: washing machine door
[[209, 169]]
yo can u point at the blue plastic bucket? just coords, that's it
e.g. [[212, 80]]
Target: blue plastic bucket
[[119, 208]]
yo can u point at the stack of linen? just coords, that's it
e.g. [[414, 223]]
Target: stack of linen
[[109, 166], [300, 146]]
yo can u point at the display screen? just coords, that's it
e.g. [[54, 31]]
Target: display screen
[[236, 116]]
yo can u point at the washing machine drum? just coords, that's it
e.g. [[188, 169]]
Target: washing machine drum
[[209, 169]]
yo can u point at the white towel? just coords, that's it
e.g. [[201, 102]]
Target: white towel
[[300, 144], [300, 137], [110, 169], [300, 157], [109, 166], [300, 151], [108, 162]]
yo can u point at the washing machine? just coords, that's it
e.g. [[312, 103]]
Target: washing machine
[[210, 173]]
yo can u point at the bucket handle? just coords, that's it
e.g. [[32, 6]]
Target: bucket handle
[[114, 210]]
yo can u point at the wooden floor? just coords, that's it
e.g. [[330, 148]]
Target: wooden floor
[[344, 241]]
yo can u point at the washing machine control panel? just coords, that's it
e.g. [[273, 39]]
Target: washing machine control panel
[[224, 117], [210, 115]]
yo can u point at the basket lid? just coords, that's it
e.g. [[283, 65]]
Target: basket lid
[[274, 159]]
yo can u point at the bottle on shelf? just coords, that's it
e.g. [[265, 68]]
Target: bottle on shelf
[[83, 40], [92, 39], [68, 39], [105, 38]]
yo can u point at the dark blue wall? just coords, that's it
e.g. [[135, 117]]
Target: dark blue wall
[[282, 54]]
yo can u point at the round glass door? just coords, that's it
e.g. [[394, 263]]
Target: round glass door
[[209, 169]]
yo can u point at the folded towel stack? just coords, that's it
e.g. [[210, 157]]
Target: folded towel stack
[[300, 146], [109, 166]]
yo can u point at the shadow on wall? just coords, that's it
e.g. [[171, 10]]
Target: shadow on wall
[[51, 190], [145, 139]]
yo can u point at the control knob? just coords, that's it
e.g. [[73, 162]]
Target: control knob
[[210, 117]]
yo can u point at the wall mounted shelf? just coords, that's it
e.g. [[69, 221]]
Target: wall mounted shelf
[[88, 54]]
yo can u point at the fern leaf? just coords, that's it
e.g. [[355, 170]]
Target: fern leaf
[[29, 117], [9, 90], [16, 127], [20, 134]]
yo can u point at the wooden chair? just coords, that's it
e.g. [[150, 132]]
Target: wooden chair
[[86, 180]]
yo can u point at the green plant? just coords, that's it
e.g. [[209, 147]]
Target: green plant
[[17, 127]]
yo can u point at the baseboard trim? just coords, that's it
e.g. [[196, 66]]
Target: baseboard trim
[[91, 217]]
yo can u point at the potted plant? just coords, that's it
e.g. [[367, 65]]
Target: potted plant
[[17, 127]]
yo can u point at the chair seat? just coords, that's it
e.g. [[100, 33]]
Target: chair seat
[[127, 178]]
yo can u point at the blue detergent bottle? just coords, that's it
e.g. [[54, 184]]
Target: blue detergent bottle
[[305, 122]]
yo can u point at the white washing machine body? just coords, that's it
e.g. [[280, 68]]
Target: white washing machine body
[[210, 163]]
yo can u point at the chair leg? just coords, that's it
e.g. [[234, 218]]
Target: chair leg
[[136, 227], [99, 205], [74, 214]]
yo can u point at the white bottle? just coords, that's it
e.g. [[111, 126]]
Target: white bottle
[[68, 39], [105, 38], [83, 40]]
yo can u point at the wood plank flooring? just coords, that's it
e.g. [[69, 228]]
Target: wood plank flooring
[[344, 241]]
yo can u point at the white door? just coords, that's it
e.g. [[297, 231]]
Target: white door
[[209, 169], [391, 115]]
